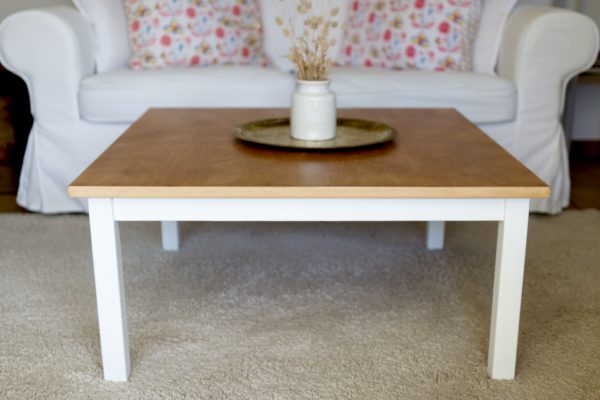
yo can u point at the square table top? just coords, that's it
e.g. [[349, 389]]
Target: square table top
[[192, 153]]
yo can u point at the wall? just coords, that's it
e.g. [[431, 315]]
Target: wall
[[8, 7], [540, 2], [593, 10], [586, 122], [588, 7]]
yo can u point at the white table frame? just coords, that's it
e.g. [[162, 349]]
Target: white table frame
[[106, 213]]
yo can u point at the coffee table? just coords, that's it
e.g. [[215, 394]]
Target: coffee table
[[184, 165]]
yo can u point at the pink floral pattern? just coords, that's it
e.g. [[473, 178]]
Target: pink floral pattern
[[431, 35], [171, 33]]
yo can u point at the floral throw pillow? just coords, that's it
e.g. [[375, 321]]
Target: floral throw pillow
[[170, 33], [430, 35]]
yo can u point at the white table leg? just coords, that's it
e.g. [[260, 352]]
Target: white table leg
[[108, 273], [508, 285], [170, 235], [435, 235]]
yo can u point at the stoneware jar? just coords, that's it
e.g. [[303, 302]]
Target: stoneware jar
[[313, 111]]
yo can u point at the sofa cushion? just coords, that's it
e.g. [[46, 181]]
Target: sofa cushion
[[124, 95], [110, 26], [480, 97], [426, 35], [489, 36], [191, 33], [110, 23]]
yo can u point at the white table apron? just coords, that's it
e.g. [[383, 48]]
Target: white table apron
[[105, 214]]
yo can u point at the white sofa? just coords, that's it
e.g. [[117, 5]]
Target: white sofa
[[78, 112]]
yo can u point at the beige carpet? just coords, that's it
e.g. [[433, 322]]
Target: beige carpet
[[299, 311]]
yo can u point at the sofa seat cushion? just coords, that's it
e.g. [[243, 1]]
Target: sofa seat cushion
[[482, 98], [124, 95]]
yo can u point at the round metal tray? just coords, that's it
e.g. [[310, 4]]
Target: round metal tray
[[350, 133]]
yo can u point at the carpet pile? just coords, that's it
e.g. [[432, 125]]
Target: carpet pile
[[299, 311]]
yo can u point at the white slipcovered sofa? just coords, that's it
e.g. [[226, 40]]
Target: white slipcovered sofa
[[81, 106]]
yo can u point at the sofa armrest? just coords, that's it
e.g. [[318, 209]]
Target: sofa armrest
[[542, 49], [51, 49]]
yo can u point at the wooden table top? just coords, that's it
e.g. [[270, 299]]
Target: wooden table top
[[191, 153]]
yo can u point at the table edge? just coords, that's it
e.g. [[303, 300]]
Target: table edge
[[173, 192]]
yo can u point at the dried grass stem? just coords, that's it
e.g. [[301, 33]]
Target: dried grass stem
[[309, 30]]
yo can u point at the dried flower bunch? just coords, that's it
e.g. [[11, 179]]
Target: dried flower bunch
[[309, 28]]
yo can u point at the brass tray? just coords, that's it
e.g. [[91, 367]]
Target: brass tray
[[350, 133]]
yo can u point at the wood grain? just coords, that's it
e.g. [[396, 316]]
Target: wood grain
[[191, 153]]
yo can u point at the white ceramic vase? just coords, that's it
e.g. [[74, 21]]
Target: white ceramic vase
[[313, 111]]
